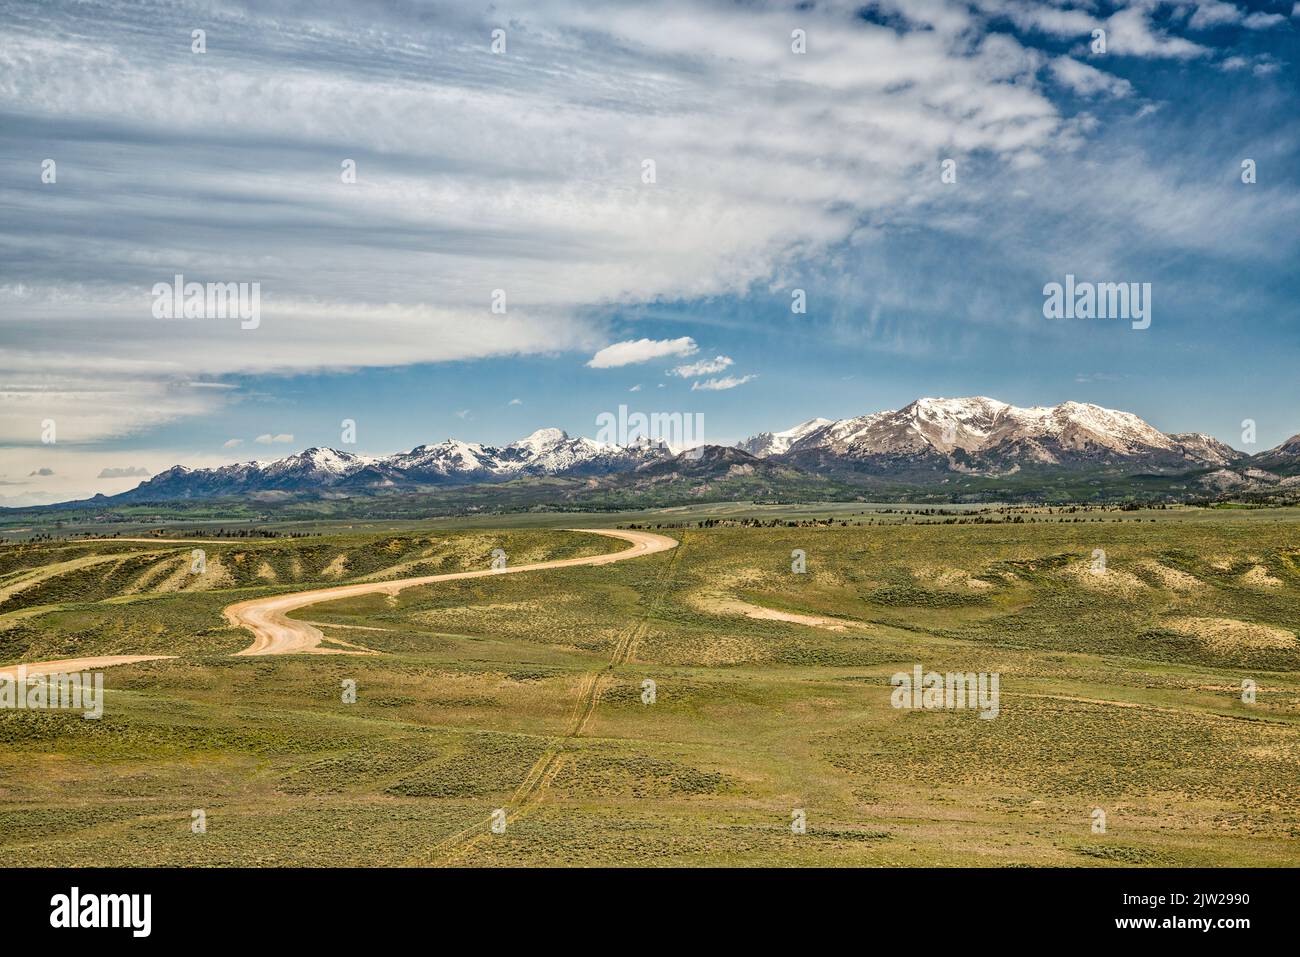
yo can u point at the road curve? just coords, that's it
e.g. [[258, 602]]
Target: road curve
[[276, 634]]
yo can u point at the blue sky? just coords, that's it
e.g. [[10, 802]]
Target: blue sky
[[523, 171]]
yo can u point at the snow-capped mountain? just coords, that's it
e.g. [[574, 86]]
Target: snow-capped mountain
[[983, 434], [313, 465], [545, 452], [775, 443], [1290, 449], [1205, 448], [932, 447], [1284, 459]]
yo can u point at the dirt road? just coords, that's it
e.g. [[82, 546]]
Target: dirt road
[[66, 666], [276, 634]]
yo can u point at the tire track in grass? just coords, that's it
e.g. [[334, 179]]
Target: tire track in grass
[[544, 770]]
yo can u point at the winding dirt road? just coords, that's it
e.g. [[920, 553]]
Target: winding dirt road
[[276, 634]]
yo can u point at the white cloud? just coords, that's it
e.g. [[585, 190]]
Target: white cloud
[[232, 443], [555, 201], [123, 371], [1262, 21], [1088, 80], [641, 350], [635, 388], [547, 194], [45, 377], [1216, 13], [1041, 17], [282, 438], [515, 402], [1129, 32], [717, 385], [1213, 14], [131, 471], [703, 367]]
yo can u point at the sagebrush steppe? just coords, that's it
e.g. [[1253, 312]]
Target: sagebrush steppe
[[1120, 691]]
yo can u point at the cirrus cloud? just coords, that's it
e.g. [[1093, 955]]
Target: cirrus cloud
[[703, 367], [718, 385], [226, 168]]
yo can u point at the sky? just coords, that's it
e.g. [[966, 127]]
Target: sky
[[562, 207]]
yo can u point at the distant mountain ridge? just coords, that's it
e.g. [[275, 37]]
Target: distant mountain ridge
[[451, 462], [987, 436], [973, 448]]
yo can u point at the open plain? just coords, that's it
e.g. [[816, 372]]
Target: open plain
[[682, 706]]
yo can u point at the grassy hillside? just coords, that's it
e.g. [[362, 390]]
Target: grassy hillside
[[1119, 691]]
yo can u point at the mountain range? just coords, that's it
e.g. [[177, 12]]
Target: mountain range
[[991, 437], [932, 449], [547, 452]]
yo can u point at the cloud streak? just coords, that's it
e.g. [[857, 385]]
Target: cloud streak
[[703, 367], [721, 385], [474, 173]]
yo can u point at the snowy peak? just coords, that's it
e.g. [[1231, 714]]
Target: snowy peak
[[447, 456], [541, 439], [1205, 448], [1285, 458], [544, 452], [1291, 447], [315, 461], [775, 443], [928, 443], [948, 424], [548, 452], [1079, 424], [999, 435]]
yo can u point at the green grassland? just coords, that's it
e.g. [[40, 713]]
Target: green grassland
[[1119, 691]]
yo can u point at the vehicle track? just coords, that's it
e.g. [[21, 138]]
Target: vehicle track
[[544, 770]]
